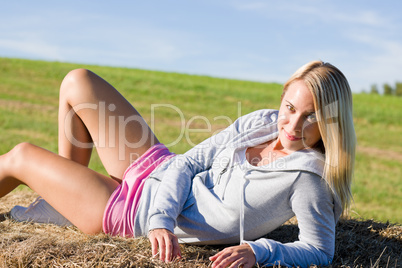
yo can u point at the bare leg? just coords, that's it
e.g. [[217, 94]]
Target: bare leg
[[92, 111], [77, 192]]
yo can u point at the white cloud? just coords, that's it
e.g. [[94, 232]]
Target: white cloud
[[36, 48], [363, 17], [259, 40], [325, 12], [386, 64], [137, 42]]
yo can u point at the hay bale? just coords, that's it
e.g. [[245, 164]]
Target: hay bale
[[359, 243]]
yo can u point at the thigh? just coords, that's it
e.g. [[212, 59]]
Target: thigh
[[117, 129], [77, 192]]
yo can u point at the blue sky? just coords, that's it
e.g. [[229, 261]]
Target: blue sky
[[251, 40]]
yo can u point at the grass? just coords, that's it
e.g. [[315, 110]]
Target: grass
[[380, 197], [28, 112], [378, 121], [378, 186]]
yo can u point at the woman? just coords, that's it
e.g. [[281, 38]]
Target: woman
[[234, 187]]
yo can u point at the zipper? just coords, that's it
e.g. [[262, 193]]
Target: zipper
[[221, 173]]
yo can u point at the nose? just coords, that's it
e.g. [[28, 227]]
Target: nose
[[296, 123]]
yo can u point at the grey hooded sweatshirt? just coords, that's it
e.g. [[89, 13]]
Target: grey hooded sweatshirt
[[212, 195]]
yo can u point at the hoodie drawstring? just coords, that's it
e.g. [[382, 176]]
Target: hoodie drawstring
[[229, 167], [233, 161], [242, 199]]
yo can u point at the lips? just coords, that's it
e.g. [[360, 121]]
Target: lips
[[291, 137]]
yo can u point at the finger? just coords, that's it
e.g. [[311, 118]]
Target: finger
[[162, 248], [238, 263], [154, 244], [169, 249], [222, 260], [214, 257], [222, 252], [221, 263], [176, 249]]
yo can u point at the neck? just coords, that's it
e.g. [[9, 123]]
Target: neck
[[276, 146]]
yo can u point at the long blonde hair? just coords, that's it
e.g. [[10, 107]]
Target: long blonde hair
[[333, 105]]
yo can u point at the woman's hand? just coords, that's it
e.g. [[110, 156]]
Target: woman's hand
[[237, 256], [167, 242]]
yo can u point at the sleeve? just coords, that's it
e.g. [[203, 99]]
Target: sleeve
[[313, 204], [176, 183]]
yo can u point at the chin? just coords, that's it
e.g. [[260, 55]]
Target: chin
[[291, 145]]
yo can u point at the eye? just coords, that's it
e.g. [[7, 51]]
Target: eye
[[311, 118], [290, 108]]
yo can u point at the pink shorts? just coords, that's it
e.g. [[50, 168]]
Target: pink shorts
[[118, 218]]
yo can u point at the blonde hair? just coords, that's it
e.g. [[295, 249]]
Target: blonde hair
[[333, 105]]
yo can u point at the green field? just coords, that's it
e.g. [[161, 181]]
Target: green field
[[185, 109]]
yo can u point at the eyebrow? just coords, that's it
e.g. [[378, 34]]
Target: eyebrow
[[289, 103], [309, 112]]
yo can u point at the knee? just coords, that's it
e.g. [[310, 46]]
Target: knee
[[77, 76], [16, 157], [21, 149], [74, 83]]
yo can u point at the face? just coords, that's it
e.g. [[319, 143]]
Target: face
[[297, 124]]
